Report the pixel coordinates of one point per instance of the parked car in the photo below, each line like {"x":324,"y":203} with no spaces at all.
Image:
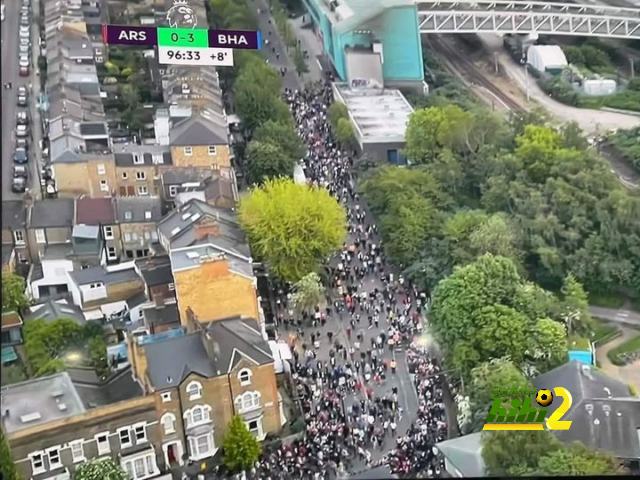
{"x":25,"y":41}
{"x":24,"y":71}
{"x":22,"y":118}
{"x":20,"y":156}
{"x":19,"y":185}
{"x":2,"y":10}
{"x":22,"y":143}
{"x":20,"y":171}
{"x":22,"y":130}
{"x":24,"y":50}
{"x":25,"y":31}
{"x":25,"y":9}
{"x":23,"y":97}
{"x":23,"y":61}
{"x":24,"y":20}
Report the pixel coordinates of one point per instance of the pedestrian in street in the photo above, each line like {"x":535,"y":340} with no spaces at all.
{"x":393,"y":366}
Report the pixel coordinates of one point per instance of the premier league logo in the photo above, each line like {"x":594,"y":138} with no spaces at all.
{"x":181,"y":15}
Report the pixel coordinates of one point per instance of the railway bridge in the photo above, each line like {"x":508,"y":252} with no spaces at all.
{"x":503,"y":16}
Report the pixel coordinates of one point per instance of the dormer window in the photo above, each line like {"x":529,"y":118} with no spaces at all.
{"x":127,"y":215}
{"x":138,"y":159}
{"x":244,"y":376}
{"x":194,"y":390}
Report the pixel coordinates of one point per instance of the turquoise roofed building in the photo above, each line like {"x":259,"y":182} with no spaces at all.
{"x":370,"y":42}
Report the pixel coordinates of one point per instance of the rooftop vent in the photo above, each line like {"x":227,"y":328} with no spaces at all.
{"x":175,"y":231}
{"x":186,"y":216}
{"x":195,"y":217}
{"x":31,"y":417}
{"x":57,"y":393}
{"x":62,"y":407}
{"x":193,"y":255}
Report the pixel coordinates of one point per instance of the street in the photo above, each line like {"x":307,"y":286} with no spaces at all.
{"x":10,"y":73}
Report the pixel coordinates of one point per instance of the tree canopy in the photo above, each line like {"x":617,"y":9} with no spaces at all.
{"x":8,"y":469}
{"x":283,"y":135}
{"x":13,"y":296}
{"x":308,"y":293}
{"x":241,"y":450}
{"x":105,"y":469}
{"x":293,"y":228}
{"x":266,"y":160}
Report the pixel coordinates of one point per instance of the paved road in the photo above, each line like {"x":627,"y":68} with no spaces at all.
{"x":10,"y":73}
{"x":617,"y":316}
{"x":629,"y":373}
{"x":591,"y":121}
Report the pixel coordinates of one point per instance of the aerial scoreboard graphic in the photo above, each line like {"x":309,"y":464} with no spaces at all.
{"x":185,"y":46}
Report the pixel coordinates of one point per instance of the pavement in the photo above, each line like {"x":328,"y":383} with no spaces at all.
{"x":629,"y":374}
{"x":592,"y":122}
{"x":626,"y":317}
{"x":10,"y":73}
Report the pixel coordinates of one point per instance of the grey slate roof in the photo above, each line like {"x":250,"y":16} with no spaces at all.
{"x":52,"y":213}
{"x":14,"y":214}
{"x":100,"y":274}
{"x":124,"y":154}
{"x":603,"y":413}
{"x":53,"y":309}
{"x":171,"y":361}
{"x":178,"y":176}
{"x":164,"y":315}
{"x":118,"y":388}
{"x":7,"y":252}
{"x":179,"y":227}
{"x":155,"y":270}
{"x":136,"y":300}
{"x":465,"y":454}
{"x":137,"y":208}
{"x":197,"y":130}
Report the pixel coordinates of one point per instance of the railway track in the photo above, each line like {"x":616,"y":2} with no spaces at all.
{"x":472,"y":74}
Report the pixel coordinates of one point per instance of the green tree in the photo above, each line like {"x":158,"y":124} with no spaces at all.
{"x":131,"y":96}
{"x":578,"y":460}
{"x":548,"y":346}
{"x":574,"y":55}
{"x":499,"y":372}
{"x":292,"y":227}
{"x":283,"y":135}
{"x":45,"y":341}
{"x":240,"y":447}
{"x":508,"y":454}
{"x":344,"y":132}
{"x":97,"y":348}
{"x":8,"y":469}
{"x":308,"y":293}
{"x":337,"y":110}
{"x":299,"y":61}
{"x":576,"y":306}
{"x":266,"y":160}
{"x":105,"y":469}
{"x":13,"y":293}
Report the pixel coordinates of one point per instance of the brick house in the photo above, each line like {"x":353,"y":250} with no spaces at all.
{"x":137,"y":217}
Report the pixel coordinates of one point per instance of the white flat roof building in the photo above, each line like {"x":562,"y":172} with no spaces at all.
{"x":379,"y":115}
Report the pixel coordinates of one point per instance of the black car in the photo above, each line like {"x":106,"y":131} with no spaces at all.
{"x":20,"y":156}
{"x":19,"y":185}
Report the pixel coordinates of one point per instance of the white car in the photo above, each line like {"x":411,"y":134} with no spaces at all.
{"x":25,"y":41}
{"x":24,"y":50}
{"x":2,"y":10}
{"x":24,"y":61}
{"x":22,"y":130}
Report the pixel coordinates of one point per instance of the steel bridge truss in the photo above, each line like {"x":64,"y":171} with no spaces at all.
{"x":450,"y":16}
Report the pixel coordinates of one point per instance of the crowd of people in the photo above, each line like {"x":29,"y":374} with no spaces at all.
{"x":353,"y":412}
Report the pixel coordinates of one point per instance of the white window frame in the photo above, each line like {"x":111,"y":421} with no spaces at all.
{"x":104,"y":186}
{"x":212,"y":150}
{"x":108,"y":232}
{"x":74,"y":455}
{"x":244,"y":377}
{"x":141,"y":175}
{"x":129,"y":439}
{"x":41,"y":238}
{"x":101,"y":169}
{"x":125,"y":175}
{"x":205,"y":417}
{"x":248,"y":401}
{"x":18,"y":237}
{"x":259,"y":431}
{"x":110,"y":255}
{"x":137,"y":428}
{"x":168,"y":421}
{"x":188,"y":151}
{"x":103,"y":450}
{"x":194,"y":450}
{"x":35,"y":470}
{"x":173,"y":190}
{"x":194,"y":390}
{"x":149,"y":462}
{"x":147,"y":215}
{"x":128,"y":215}
{"x":143,"y":190}
{"x":55,"y":450}
{"x":138,"y":159}
{"x":166,"y":397}
{"x":171,"y":286}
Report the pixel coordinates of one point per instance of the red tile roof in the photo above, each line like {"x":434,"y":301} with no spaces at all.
{"x":94,"y":211}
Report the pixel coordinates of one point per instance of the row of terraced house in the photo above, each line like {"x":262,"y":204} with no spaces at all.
{"x":143,"y":239}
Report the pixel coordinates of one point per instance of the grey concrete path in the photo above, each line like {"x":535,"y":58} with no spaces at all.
{"x":617,"y":316}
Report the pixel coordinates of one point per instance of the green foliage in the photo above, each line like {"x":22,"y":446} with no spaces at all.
{"x":240,"y":447}
{"x":337,"y":110}
{"x":308,"y":293}
{"x":299,"y":61}
{"x":97,"y":348}
{"x":579,"y":460}
{"x":8,"y":469}
{"x":627,"y":143}
{"x":292,"y":227}
{"x":344,"y":132}
{"x":283,"y":135}
{"x":266,"y":160}
{"x":501,"y":373}
{"x":232,"y":15}
{"x":127,"y":72}
{"x":508,"y":454}
{"x":112,"y":68}
{"x":576,"y":306}
{"x":105,"y":469}
{"x":10,"y":374}
{"x":13,"y":296}
{"x":616,"y":355}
